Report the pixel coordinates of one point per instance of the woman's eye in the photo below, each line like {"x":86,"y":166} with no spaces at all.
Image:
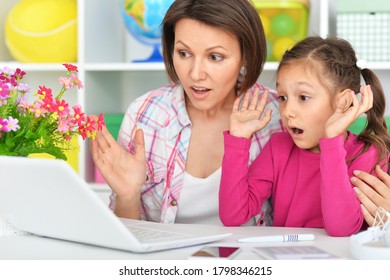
{"x":304,"y":97}
{"x":216,"y":57}
{"x":184,"y":54}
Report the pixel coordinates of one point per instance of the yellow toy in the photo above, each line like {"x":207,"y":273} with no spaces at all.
{"x":285,"y":23}
{"x":42,"y":31}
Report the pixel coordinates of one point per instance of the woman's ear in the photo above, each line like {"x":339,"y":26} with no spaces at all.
{"x":344,"y":100}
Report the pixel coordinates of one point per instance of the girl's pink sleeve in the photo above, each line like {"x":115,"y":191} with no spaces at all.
{"x":238,"y":200}
{"x":340,"y":207}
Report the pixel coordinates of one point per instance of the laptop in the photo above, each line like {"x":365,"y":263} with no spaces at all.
{"x":47,"y":197}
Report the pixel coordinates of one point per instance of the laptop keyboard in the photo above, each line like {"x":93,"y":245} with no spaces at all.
{"x":148,"y":235}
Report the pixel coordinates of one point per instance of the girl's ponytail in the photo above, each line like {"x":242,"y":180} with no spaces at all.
{"x":376,"y":130}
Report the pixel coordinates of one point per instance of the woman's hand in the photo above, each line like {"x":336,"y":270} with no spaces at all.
{"x":345,"y":114}
{"x":124,"y":172}
{"x":372,"y":192}
{"x":245,"y":119}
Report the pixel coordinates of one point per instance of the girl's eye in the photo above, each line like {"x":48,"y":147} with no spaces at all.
{"x":183,"y":54}
{"x":304,"y":97}
{"x":216,"y":57}
{"x":282,"y":98}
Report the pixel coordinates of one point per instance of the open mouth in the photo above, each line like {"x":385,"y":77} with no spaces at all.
{"x":200,"y":90}
{"x":296,"y":130}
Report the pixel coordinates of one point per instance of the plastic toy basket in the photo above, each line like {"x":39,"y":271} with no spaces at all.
{"x":366,"y":25}
{"x":285,"y":22}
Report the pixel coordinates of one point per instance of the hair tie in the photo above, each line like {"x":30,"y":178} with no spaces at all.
{"x":361,"y":64}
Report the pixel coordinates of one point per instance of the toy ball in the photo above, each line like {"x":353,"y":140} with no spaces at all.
{"x":42,"y":31}
{"x":283,"y":25}
{"x":280,"y":46}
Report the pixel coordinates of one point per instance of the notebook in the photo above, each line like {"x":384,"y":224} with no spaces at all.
{"x":47,"y":197}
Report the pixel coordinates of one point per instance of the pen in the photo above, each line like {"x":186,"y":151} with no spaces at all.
{"x":279,"y":238}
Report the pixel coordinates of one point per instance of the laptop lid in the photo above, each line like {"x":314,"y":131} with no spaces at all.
{"x":47,"y":197}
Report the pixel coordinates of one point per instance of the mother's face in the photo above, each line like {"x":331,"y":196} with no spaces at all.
{"x":207,"y":61}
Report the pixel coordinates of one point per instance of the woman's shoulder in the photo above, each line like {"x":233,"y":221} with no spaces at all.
{"x":262,"y":88}
{"x":163,"y":99}
{"x":273,"y":100}
{"x":157,"y":108}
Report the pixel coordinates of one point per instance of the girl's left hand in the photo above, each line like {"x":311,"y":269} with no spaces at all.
{"x":345,"y":114}
{"x":245,"y":119}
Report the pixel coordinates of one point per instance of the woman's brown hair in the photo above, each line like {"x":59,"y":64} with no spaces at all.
{"x":237,"y":17}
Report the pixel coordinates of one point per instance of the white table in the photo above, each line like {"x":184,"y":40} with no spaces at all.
{"x":28,"y":247}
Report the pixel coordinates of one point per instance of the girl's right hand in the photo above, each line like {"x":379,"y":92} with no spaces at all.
{"x":245,"y":119}
{"x":124,"y":172}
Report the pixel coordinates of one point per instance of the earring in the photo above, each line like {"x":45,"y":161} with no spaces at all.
{"x":243,"y":71}
{"x":242,"y":75}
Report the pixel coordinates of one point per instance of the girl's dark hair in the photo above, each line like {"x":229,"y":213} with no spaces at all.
{"x":334,"y":61}
{"x":237,"y":17}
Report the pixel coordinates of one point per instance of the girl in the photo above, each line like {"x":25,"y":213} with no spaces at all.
{"x":305,"y":170}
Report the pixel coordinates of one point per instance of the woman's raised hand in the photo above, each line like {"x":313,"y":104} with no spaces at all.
{"x":245,"y":118}
{"x":373,"y":192}
{"x":124,"y":172}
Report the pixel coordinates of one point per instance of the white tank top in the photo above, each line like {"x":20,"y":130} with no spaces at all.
{"x":198,"y":203}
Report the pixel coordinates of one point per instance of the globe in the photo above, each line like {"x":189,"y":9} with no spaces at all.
{"x":143,"y":19}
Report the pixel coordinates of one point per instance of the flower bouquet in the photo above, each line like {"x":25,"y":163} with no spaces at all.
{"x":45,"y":126}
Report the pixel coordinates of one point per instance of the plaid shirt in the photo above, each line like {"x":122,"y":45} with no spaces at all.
{"x":162,"y":115}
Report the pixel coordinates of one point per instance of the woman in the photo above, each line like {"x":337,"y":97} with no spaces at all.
{"x":167,"y":165}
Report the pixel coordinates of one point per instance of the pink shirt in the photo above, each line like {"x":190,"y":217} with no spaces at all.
{"x":307,"y":189}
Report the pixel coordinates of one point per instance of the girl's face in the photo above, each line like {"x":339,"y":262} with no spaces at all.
{"x":207,"y":61}
{"x":305,"y":105}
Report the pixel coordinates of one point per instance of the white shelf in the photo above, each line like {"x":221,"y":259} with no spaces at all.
{"x":124,"y":66}
{"x":33,"y":67}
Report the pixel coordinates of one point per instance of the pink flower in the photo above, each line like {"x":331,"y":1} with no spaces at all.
{"x":4,"y":91}
{"x":3,"y":125}
{"x":78,"y":116}
{"x":19,"y":74}
{"x":66,"y":82}
{"x":70,"y":67}
{"x":61,"y":107}
{"x":44,"y":91}
{"x":37,"y":109}
{"x":76,"y":81}
{"x":12,"y":124}
{"x":100,"y":122}
{"x":64,"y":126}
{"x":23,"y":88}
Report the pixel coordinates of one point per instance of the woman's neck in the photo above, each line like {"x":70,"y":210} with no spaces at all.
{"x":220,"y":110}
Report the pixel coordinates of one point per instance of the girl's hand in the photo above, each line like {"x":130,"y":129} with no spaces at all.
{"x":372,"y":192}
{"x":245,"y":119}
{"x":345,"y":114}
{"x":124,"y":172}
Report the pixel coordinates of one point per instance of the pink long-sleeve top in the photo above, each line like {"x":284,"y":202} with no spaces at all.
{"x":307,"y":189}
